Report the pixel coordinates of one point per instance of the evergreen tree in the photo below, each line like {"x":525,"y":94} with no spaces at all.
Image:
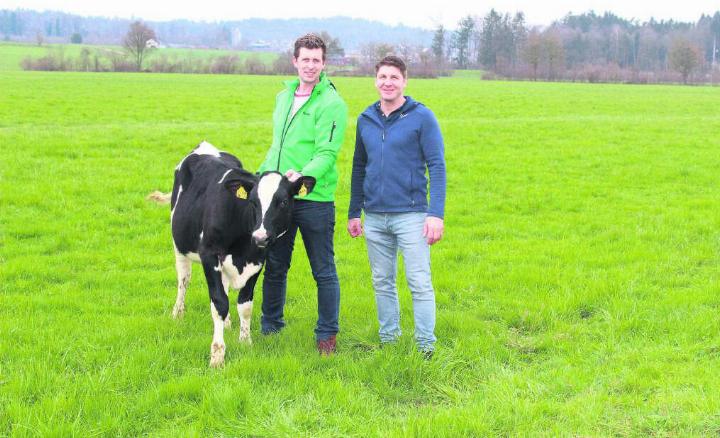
{"x":438,"y":44}
{"x":715,"y":29}
{"x":461,"y":41}
{"x":498,"y":38}
{"x":519,"y":35}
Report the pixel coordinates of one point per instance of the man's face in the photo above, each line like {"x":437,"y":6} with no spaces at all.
{"x":390,"y":83}
{"x":309,"y":64}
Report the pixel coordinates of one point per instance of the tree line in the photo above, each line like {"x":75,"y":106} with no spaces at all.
{"x":588,"y":47}
{"x":139,"y":53}
{"x":22,"y":25}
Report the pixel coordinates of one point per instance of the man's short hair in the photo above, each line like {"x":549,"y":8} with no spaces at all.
{"x":392,"y":61}
{"x":309,"y":41}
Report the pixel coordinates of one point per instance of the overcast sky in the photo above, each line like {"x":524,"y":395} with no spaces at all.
{"x":413,"y":13}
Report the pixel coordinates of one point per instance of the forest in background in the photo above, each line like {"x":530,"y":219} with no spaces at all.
{"x":586,"y":47}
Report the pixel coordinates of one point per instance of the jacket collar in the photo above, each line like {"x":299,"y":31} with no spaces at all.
{"x":323,"y":84}
{"x":373,"y":111}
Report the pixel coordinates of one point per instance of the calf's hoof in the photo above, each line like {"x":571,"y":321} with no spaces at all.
{"x":245,"y":337}
{"x":178,"y":311}
{"x":217,"y":355}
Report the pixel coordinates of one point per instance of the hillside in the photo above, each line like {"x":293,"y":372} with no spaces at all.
{"x":261,"y":34}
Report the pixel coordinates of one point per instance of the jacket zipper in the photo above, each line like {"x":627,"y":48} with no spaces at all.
{"x":382,"y":163}
{"x":282,"y":137}
{"x":287,"y":128}
{"x":332,"y":131}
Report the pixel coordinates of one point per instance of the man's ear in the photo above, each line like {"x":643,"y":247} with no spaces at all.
{"x":303,"y":186}
{"x":240,"y":186}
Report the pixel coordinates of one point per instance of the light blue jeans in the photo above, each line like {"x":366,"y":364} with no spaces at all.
{"x":385,"y":233}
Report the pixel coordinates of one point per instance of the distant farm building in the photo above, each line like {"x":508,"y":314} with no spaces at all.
{"x":260,"y":45}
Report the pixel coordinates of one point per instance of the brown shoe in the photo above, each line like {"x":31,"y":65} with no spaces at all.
{"x":326,"y":347}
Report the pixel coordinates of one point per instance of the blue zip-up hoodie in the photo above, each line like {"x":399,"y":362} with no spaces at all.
{"x":391,"y":155}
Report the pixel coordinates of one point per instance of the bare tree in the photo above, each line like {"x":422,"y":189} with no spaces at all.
{"x":227,"y":65}
{"x":83,"y":62}
{"x":373,"y":52}
{"x":684,"y":57}
{"x":554,"y":54}
{"x":138,"y":42}
{"x":333,"y":48}
{"x":532,"y":51}
{"x":283,"y":64}
{"x":254,"y":65}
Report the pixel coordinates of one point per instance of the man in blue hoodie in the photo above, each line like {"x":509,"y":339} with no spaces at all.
{"x":397,"y":139}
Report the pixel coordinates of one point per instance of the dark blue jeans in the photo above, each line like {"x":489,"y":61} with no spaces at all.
{"x":316,"y":221}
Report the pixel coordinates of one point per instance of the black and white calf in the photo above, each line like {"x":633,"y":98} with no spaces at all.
{"x":225,"y":218}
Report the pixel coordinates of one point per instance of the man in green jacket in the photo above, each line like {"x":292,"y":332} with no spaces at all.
{"x":308,"y":129}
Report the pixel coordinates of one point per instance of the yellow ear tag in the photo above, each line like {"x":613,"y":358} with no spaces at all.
{"x":241,"y":193}
{"x":303,"y":191}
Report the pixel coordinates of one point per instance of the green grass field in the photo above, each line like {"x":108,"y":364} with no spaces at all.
{"x":577,"y":285}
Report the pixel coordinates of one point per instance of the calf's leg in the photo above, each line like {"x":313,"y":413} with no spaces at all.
{"x":183,"y":266}
{"x":226,"y":288}
{"x":245,"y":306}
{"x":218,"y":309}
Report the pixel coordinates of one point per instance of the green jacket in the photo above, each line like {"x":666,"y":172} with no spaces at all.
{"x":309,"y":142}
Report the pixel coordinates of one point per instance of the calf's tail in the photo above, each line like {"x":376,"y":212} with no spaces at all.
{"x":159,"y":197}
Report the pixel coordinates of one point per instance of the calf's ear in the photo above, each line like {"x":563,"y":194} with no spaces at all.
{"x":303,"y":186}
{"x":240,"y":187}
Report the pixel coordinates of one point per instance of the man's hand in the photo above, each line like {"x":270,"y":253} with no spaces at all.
{"x":355,"y":227}
{"x":433,"y":229}
{"x":292,"y":175}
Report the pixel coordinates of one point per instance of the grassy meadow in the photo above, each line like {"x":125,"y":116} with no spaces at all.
{"x":577,"y":284}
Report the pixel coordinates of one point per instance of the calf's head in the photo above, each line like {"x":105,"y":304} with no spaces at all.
{"x":241,"y":184}
{"x":274,"y":197}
